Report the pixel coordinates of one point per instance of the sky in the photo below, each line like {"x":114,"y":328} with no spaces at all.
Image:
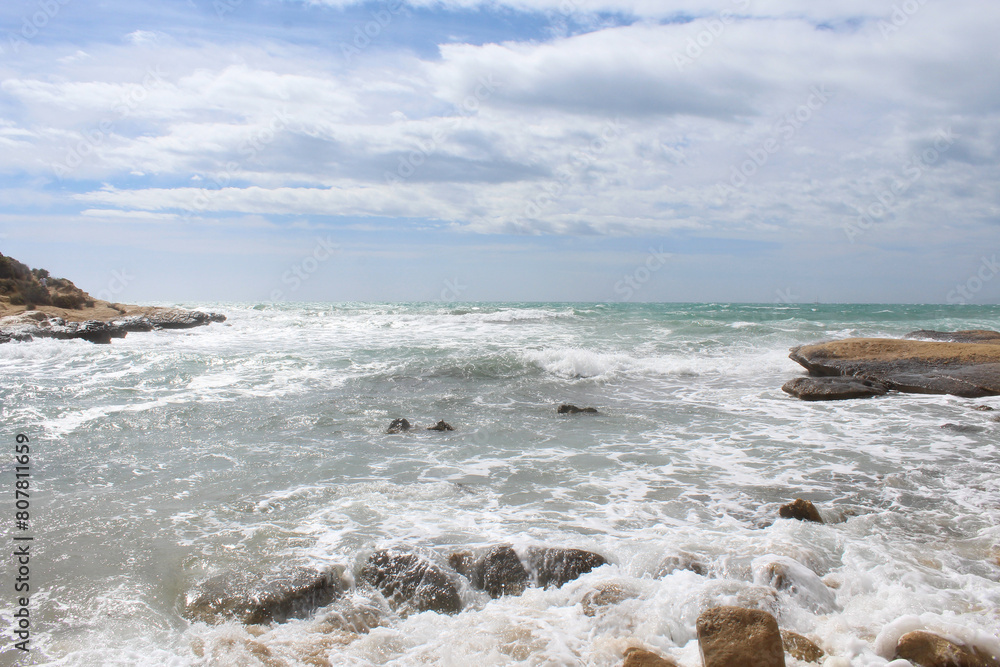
{"x":504,"y":150}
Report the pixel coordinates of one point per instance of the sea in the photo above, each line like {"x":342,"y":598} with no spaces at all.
{"x":168,"y":457}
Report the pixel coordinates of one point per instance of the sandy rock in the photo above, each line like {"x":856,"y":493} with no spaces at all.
{"x":605,"y":595}
{"x":929,"y":650}
{"x":800,"y":509}
{"x":412,"y":583}
{"x":801,"y":648}
{"x":637,"y":657}
{"x":970,"y":336}
{"x":832,"y":388}
{"x":255,"y":598}
{"x":737,"y":637}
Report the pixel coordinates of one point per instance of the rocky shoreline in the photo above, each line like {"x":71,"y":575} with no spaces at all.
{"x":960,"y":363}
{"x":29,"y":325}
{"x":398,"y":582}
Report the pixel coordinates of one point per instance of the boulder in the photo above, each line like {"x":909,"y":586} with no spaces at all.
{"x":441,"y":426}
{"x":398,"y":426}
{"x":252,"y":598}
{"x":969,"y":369}
{"x":800,"y":648}
{"x":637,"y":657}
{"x":928,"y":650}
{"x":832,"y":388}
{"x":800,"y":509}
{"x":499,"y":572}
{"x":566,"y":409}
{"x":737,"y":637}
{"x":412,"y":583}
{"x":551,"y":566}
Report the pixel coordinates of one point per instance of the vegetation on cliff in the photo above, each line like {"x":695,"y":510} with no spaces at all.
{"x":24,"y":286}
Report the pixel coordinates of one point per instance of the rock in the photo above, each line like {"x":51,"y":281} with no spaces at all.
{"x":681,"y":561}
{"x":928,"y":650}
{"x":800,"y":509}
{"x":398,"y":426}
{"x":637,"y":657}
{"x":410,"y":582}
{"x":27,"y":326}
{"x":800,"y":648}
{"x":916,"y":366}
{"x":605,"y":595}
{"x":962,"y":428}
{"x":832,"y":388}
{"x":499,"y":572}
{"x":737,"y":637}
{"x":973,"y":336}
{"x":785,"y":574}
{"x":441,"y":426}
{"x":255,"y":598}
{"x":549,"y":566}
{"x":983,"y":408}
{"x":566,"y":409}
{"x":175,"y":318}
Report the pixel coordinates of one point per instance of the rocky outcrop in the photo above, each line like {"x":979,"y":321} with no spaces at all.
{"x":36,"y":324}
{"x":566,"y":409}
{"x":801,"y":648}
{"x":441,"y":426}
{"x":800,"y":509}
{"x":399,"y":425}
{"x":832,"y":388}
{"x":928,"y":650}
{"x":412,"y":583}
{"x":969,"y":369}
{"x":738,"y":637}
{"x":970,"y":336}
{"x":252,"y":598}
{"x":637,"y":657}
{"x":499,"y":571}
{"x":554,"y":567}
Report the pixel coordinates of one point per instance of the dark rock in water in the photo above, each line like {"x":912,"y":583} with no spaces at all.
{"x":399,"y":426}
{"x":832,"y":388}
{"x":410,"y":582}
{"x":794,"y":578}
{"x":738,"y":637}
{"x":566,"y":409}
{"x":916,"y":366}
{"x":255,"y":598}
{"x":801,"y":648}
{"x":183,"y":319}
{"x":973,"y":336}
{"x":983,"y":408}
{"x":441,"y":426}
{"x":962,"y":428}
{"x":550,"y":566}
{"x":638,"y":657}
{"x":30,"y":325}
{"x":605,"y":595}
{"x":499,"y":572}
{"x":928,"y":650}
{"x":803,"y":510}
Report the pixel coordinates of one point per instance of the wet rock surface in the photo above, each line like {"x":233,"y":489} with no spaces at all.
{"x":554,"y":567}
{"x":738,"y":637}
{"x":832,"y":388}
{"x":567,"y":409}
{"x":33,"y":324}
{"x":929,"y":650}
{"x":411,"y":582}
{"x":637,"y":657}
{"x":800,"y":509}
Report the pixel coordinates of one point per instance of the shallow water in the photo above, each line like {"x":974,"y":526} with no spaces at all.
{"x":167,"y":457}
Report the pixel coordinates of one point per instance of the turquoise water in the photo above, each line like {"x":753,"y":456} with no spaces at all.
{"x":167,"y":457}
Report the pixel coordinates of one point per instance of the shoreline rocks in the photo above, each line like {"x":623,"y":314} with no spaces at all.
{"x":738,"y":637}
{"x":962,"y":363}
{"x":833,"y":388}
{"x":30,"y":325}
{"x":412,"y":583}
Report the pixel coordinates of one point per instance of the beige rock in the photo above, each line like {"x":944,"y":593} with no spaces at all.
{"x":637,"y":657}
{"x":929,"y":650}
{"x":801,"y":648}
{"x":605,"y":595}
{"x":800,"y":509}
{"x":738,"y":637}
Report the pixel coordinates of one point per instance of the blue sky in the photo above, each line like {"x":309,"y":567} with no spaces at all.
{"x":453,"y":150}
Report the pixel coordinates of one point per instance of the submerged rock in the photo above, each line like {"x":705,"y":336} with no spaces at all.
{"x":681,"y":561}
{"x":638,"y":657}
{"x":441,"y":426}
{"x":553,"y":566}
{"x":801,"y":648}
{"x":398,"y":426}
{"x":800,"y":509}
{"x":252,"y":598}
{"x":411,"y":582}
{"x":791,"y":576}
{"x":928,"y":650}
{"x":499,"y":572}
{"x":567,"y":409}
{"x":605,"y":595}
{"x":738,"y":637}
{"x":983,"y":408}
{"x":969,"y":369}
{"x":962,"y":428}
{"x":832,"y":388}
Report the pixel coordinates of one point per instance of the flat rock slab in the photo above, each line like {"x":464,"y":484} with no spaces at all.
{"x":973,"y":336}
{"x":252,"y":598}
{"x":914,"y":366}
{"x":738,"y":637}
{"x":833,"y":388}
